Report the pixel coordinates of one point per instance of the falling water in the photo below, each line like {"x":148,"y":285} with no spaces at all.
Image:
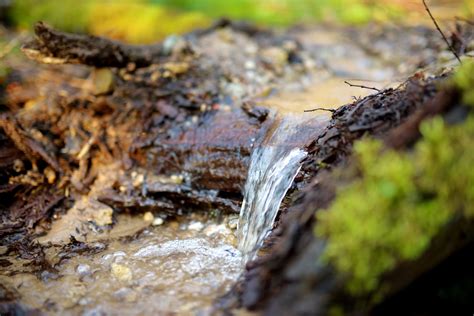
{"x":273,"y":167}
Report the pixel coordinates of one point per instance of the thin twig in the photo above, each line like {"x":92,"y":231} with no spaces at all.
{"x":441,"y":32}
{"x":361,"y":86}
{"x":320,"y":109}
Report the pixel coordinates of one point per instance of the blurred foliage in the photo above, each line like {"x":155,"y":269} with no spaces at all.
{"x":150,"y":20}
{"x":140,"y":22}
{"x":146,"y":21}
{"x":464,"y":80}
{"x":284,"y":12}
{"x":402,"y":199}
{"x":69,"y":15}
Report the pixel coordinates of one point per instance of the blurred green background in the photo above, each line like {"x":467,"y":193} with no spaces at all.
{"x":144,"y":21}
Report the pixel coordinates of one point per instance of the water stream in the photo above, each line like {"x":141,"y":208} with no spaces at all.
{"x":273,"y":167}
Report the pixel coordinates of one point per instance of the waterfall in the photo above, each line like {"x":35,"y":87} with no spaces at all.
{"x":273,"y":167}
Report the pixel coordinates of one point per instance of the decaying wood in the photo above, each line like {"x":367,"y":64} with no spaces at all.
{"x":55,"y":47}
{"x":408,"y":133}
{"x":32,"y":149}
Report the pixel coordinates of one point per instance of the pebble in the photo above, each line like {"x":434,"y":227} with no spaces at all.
{"x":158,"y":221}
{"x":196,"y":226}
{"x":138,"y":180}
{"x":148,"y":217}
{"x":121,"y":272}
{"x":83,"y":270}
{"x":233,"y":222}
{"x":170,"y":43}
{"x":215,"y":229}
{"x":250,"y":65}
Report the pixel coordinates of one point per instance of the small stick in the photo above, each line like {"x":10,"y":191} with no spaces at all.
{"x":320,"y":109}
{"x":441,"y":32}
{"x":361,"y":86}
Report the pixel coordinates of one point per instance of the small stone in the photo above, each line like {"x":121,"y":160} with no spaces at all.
{"x":276,"y":56}
{"x":103,"y":215}
{"x":102,"y":80}
{"x":214,"y":229}
{"x":50,"y":175}
{"x":83,"y":270}
{"x":176,"y":68}
{"x":233,"y":222}
{"x":176,"y":179}
{"x":18,"y":165}
{"x":196,"y":226}
{"x":121,"y":272}
{"x":250,"y":65}
{"x":158,"y":221}
{"x":148,"y":217}
{"x":84,"y":301}
{"x":170,"y":43}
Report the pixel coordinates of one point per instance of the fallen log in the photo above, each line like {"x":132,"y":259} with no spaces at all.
{"x":55,"y":47}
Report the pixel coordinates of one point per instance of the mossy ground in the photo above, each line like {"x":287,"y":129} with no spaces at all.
{"x":401,"y":200}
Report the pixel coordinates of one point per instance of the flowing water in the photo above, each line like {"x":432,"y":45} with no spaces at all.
{"x":273,"y":167}
{"x":179,"y":267}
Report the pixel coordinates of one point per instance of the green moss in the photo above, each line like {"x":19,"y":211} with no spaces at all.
{"x":68,"y":15}
{"x":400,"y":202}
{"x":284,"y":12}
{"x":158,"y":18}
{"x":464,"y":80}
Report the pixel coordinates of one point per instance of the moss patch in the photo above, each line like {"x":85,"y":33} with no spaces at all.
{"x":401,"y":200}
{"x":464,"y":80}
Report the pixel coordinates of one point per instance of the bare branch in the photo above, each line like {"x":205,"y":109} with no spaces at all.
{"x":441,"y":32}
{"x":320,"y":109}
{"x":361,"y":86}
